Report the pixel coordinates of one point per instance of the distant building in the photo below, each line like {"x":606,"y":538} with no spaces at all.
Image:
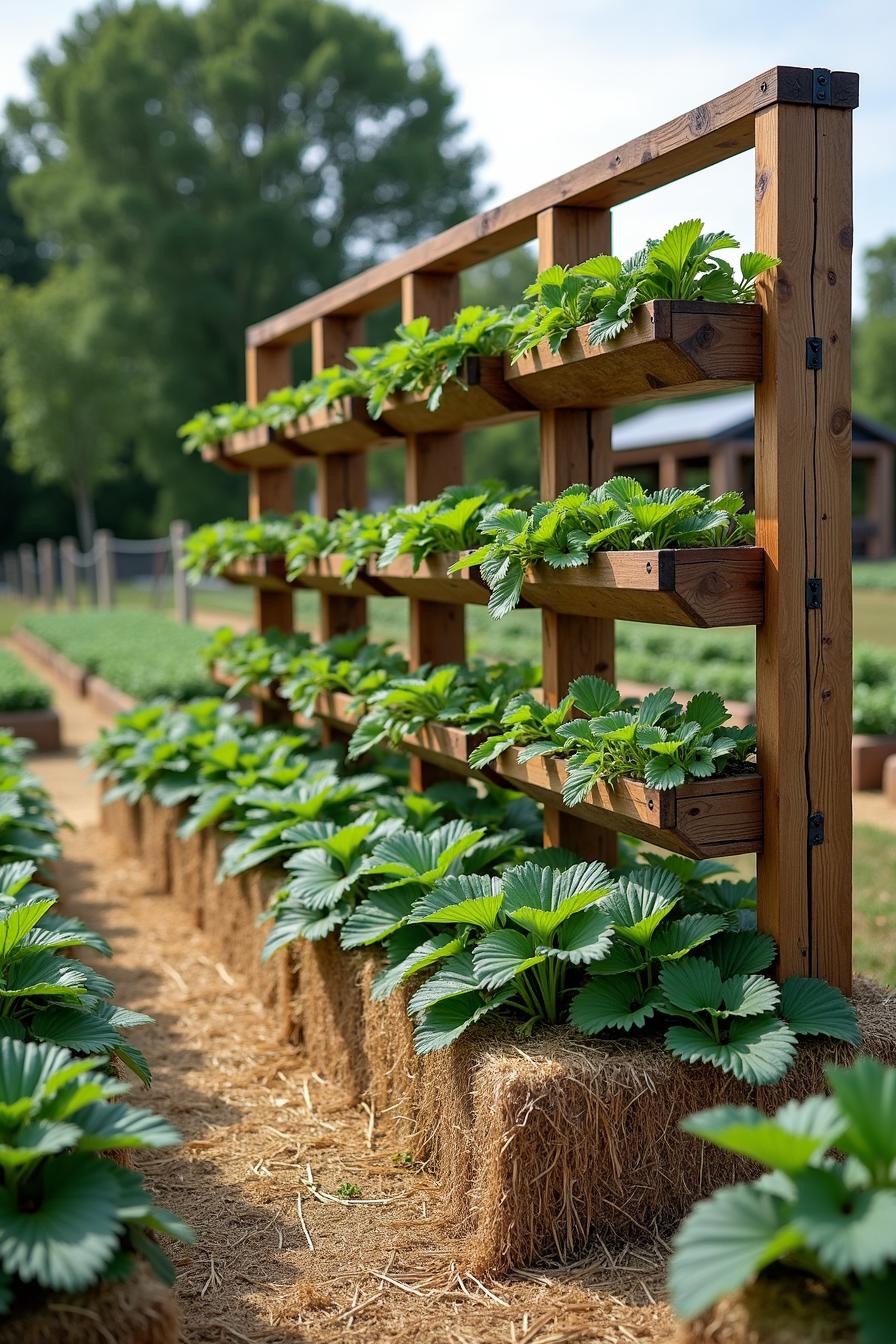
{"x":687,"y":443}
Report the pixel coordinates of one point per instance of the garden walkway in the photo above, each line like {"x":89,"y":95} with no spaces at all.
{"x":273,"y":1263}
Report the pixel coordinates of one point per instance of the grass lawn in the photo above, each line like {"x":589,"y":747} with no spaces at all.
{"x":874,"y":897}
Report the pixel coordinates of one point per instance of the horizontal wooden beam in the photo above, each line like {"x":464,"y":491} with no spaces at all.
{"x":708,"y":134}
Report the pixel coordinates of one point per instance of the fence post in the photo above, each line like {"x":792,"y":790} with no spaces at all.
{"x":28,"y":571}
{"x":183,"y":594}
{"x":69,"y":572}
{"x":105,"y":568}
{"x":11,"y":572}
{"x":46,"y":571}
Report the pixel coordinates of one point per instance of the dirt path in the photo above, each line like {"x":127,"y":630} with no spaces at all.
{"x":274,"y":1264}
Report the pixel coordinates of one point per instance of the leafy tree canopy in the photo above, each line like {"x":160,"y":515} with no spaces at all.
{"x":217,"y":166}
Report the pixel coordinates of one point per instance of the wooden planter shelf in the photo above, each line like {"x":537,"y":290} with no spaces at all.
{"x":265,"y":572}
{"x":672,"y":349}
{"x":482,"y":396}
{"x":715,"y":586}
{"x":324,"y":575}
{"x":258,"y":449}
{"x":342,"y":427}
{"x":700,"y":819}
{"x":431,"y":582}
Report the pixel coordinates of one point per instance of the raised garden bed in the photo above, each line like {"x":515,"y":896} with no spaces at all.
{"x":430,"y":581}
{"x":485,"y":1113}
{"x":672,"y":349}
{"x":68,"y":672}
{"x":701,"y":819}
{"x":108,"y":699}
{"x":256,"y":449}
{"x":869,"y":753}
{"x":324,"y":574}
{"x":40,"y":725}
{"x":342,"y":427}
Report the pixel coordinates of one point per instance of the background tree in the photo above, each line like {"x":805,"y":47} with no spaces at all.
{"x":214,"y":167}
{"x":66,"y":386}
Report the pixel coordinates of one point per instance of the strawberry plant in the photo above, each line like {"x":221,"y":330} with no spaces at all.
{"x":70,"y":1218}
{"x":606,"y":291}
{"x":656,"y":741}
{"x":826,"y":1211}
{"x":619,"y":515}
{"x":470,"y":697}
{"x":212,"y":548}
{"x":450,"y":522}
{"x":348,"y":664}
{"x":45,"y":992}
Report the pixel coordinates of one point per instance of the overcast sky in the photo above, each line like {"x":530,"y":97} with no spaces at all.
{"x":545,"y":87}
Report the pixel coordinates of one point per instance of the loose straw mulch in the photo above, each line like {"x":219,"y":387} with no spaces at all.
{"x":281,"y":1255}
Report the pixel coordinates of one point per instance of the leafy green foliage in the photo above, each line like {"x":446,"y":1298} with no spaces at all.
{"x":212,"y":548}
{"x":656,"y":741}
{"x":603,"y":291}
{"x":46,"y":994}
{"x":70,"y":1217}
{"x":619,"y":515}
{"x":606,"y":291}
{"x":471,"y":697}
{"x":142,"y":653}
{"x":20,"y":689}
{"x":828,"y":1210}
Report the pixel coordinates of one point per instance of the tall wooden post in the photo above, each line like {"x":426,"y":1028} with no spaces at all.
{"x":575,"y":448}
{"x":341,"y":477}
{"x":437,"y":632}
{"x":183,"y":593}
{"x":68,"y":571}
{"x":46,"y":571}
{"x":803,"y":507}
{"x":105,"y":567}
{"x":270,"y":490}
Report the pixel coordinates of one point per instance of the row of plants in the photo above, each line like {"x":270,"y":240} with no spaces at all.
{"x":20,"y":689}
{"x":455,"y":883}
{"x":600,"y":734}
{"x":603,"y":292}
{"x":71,"y":1217}
{"x":140,"y":652}
{"x":564,"y":533}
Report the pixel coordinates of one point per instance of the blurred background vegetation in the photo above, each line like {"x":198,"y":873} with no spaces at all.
{"x":175,"y":176}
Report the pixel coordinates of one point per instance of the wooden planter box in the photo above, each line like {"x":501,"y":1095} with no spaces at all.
{"x":342,"y":427}
{"x":41,"y":726}
{"x":701,"y":819}
{"x":267,"y":572}
{"x":431,"y":582}
{"x":869,"y":753}
{"x":672,"y":348}
{"x":253,"y":449}
{"x":713,"y":587}
{"x":482,"y":396}
{"x":325,"y":576}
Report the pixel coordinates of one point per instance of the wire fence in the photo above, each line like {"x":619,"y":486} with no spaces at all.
{"x":52,"y":573}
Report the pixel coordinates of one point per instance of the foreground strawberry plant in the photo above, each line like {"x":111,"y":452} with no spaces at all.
{"x":827,"y":1210}
{"x":70,"y":1218}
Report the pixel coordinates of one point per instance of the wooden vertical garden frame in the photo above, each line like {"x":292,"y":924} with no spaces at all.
{"x":795,"y":586}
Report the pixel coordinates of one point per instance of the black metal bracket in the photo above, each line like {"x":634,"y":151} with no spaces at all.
{"x":816,"y":828}
{"x":814,"y":352}
{"x":813,"y":594}
{"x":821,"y":87}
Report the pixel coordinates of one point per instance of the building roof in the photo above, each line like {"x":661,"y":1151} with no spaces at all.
{"x":723,"y":416}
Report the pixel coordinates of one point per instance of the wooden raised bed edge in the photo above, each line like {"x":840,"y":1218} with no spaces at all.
{"x":69,"y":672}
{"x":869,"y":753}
{"x":671,"y":349}
{"x":40,"y":726}
{"x":480,"y":397}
